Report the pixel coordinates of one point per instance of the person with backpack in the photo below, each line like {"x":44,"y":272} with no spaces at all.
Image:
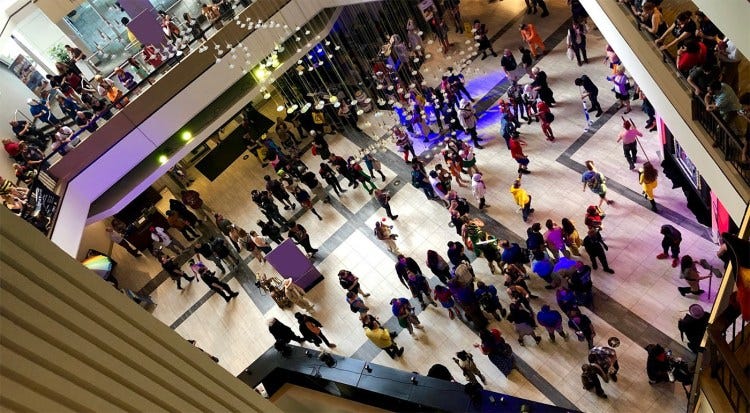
{"x":310,"y":329}
{"x":419,"y":288}
{"x":582,"y":325}
{"x":465,"y":362}
{"x":693,"y":326}
{"x":404,"y":312}
{"x":590,"y":374}
{"x":596,"y":183}
{"x":524,"y":323}
{"x":581,"y":285}
{"x":489,"y":301}
{"x":350,"y":283}
{"x":276,"y":189}
{"x":356,"y":304}
{"x":499,"y":352}
{"x":594,"y":245}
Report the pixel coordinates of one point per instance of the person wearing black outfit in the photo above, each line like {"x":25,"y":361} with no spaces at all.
{"x":184,"y":212}
{"x":308,"y":178}
{"x":456,"y":253}
{"x":694,"y":325}
{"x":456,"y":81}
{"x":329,"y":176}
{"x":282,"y":334}
{"x":581,"y":324}
{"x":309,"y":327}
{"x":320,"y":144}
{"x":277,"y":190}
{"x":173,"y":269}
{"x":384,"y":198}
{"x":215,"y":284}
{"x":270,"y":209}
{"x":222,"y":251}
{"x":343,"y":168}
{"x":531,"y":6}
{"x":270,"y":230}
{"x":595,"y":247}
{"x":402,"y":265}
{"x":204,"y":250}
{"x":590,"y":91}
{"x":299,"y":234}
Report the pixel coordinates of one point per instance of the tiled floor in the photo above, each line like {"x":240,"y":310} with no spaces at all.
{"x":642,"y":292}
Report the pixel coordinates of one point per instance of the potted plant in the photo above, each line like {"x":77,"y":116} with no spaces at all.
{"x":59,"y":54}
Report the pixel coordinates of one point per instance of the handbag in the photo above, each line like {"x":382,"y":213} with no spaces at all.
{"x":571,"y":54}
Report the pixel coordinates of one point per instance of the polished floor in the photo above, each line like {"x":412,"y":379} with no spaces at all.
{"x":639,"y":303}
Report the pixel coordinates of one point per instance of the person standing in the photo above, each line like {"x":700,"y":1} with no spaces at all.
{"x":596,"y":182}
{"x":119,"y":238}
{"x":162,"y":239}
{"x":310,"y":330}
{"x":693,"y":326}
{"x":570,"y":234}
{"x":330,"y":177}
{"x":299,"y":234}
{"x":270,"y":230}
{"x":212,"y":281}
{"x":373,"y":165}
{"x":545,"y":117}
{"x":577,"y":40}
{"x":522,"y":198}
{"x":438,"y":266}
{"x":530,"y":36}
{"x":356,"y":304}
{"x":523,"y":321}
{"x":276,"y":189}
{"x":404,"y":143}
{"x":173,"y":269}
{"x":420,"y":181}
{"x":403,"y":266}
{"x":465,"y":362}
{"x":176,"y":221}
{"x":479,"y":189}
{"x":509,"y":65}
{"x":499,"y":352}
{"x":606,"y":358}
{"x":590,"y":374}
{"x":467,"y":116}
{"x":516,"y":152}
{"x":581,"y":324}
{"x":629,"y":137}
{"x":595,"y":247}
{"x":590,"y":91}
{"x":303,"y":197}
{"x":487,"y":298}
{"x":551,"y":320}
{"x":445,"y":297}
{"x":419,"y":288}
{"x":621,"y":87}
{"x":384,"y":197}
{"x":480,"y":35}
{"x":402,"y":309}
{"x":671,"y":241}
{"x":222,"y":251}
{"x":689,"y":273}
{"x":248,"y":241}
{"x":204,"y":250}
{"x":381,"y":337}
{"x":350,"y":283}
{"x":296,"y":294}
{"x":647,"y":177}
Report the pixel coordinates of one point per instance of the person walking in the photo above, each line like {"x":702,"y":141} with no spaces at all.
{"x":530,"y":36}
{"x":173,"y":269}
{"x":299,"y":234}
{"x":523,"y":322}
{"x":522,"y":198}
{"x":489,"y":301}
{"x":381,"y":337}
{"x":403,"y":266}
{"x":270,"y":230}
{"x":163,"y":240}
{"x":648,"y":178}
{"x":581,"y":324}
{"x":551,"y":320}
{"x":621,"y":87}
{"x":480,"y":35}
{"x":119,"y":238}
{"x":212,"y":281}
{"x":275,"y":188}
{"x":596,"y":182}
{"x":404,"y":143}
{"x":577,"y":40}
{"x":384,"y":197}
{"x":553,"y":238}
{"x":402,"y":309}
{"x":671,"y":241}
{"x":204,"y":250}
{"x":383,"y":233}
{"x":509,"y":64}
{"x":356,"y":304}
{"x":296,"y":294}
{"x":693,"y":326}
{"x":419,"y":288}
{"x":516,"y":145}
{"x":606,"y":358}
{"x":467,"y":116}
{"x":590,"y":91}
{"x":222,"y":251}
{"x":571,"y":236}
{"x":465,"y":362}
{"x":281,"y":333}
{"x":350,"y":283}
{"x":689,"y":273}
{"x":438,"y":266}
{"x":310,"y":329}
{"x":420,"y":181}
{"x":499,"y":352}
{"x":355,"y":170}
{"x":590,"y":374}
{"x":594,"y":245}
{"x":445,"y":297}
{"x":304,"y":199}
{"x":248,"y":241}
{"x":479,"y":189}
{"x":629,"y":137}
{"x":545,"y":117}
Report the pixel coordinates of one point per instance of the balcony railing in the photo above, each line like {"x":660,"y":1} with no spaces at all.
{"x":728,"y":141}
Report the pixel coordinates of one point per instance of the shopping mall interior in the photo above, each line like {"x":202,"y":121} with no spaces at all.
{"x":185,"y":179}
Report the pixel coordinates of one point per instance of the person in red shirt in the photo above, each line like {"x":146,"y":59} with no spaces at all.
{"x":14,"y":151}
{"x":516,"y":151}
{"x":692,"y":53}
{"x":545,"y":117}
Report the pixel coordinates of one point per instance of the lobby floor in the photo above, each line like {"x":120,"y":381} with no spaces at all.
{"x":639,"y":304}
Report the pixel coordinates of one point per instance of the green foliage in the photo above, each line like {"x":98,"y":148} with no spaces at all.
{"x":59,"y":54}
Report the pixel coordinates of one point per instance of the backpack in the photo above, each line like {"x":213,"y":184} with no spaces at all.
{"x":486,"y":301}
{"x":416,"y":179}
{"x":345,"y":283}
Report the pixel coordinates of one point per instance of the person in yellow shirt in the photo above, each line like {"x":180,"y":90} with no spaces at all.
{"x":647,"y":177}
{"x":522,"y":198}
{"x":381,"y":337}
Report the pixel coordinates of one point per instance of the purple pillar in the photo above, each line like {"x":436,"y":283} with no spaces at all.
{"x":145,"y":23}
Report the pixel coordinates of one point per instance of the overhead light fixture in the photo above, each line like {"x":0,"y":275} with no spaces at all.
{"x":186,"y":136}
{"x":163,"y":159}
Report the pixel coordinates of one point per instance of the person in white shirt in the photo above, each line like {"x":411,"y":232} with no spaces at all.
{"x":118,"y":238}
{"x":63,"y":142}
{"x":162,"y":239}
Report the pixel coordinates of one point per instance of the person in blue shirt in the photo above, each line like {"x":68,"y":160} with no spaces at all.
{"x":512,"y":253}
{"x":543,"y":267}
{"x":551,"y":320}
{"x":39,"y":109}
{"x":68,"y":106}
{"x":402,"y":309}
